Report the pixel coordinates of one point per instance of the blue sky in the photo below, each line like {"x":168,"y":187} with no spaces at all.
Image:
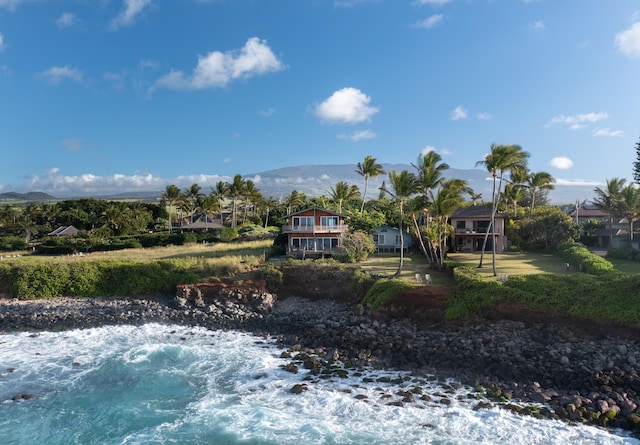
{"x":100,"y":96}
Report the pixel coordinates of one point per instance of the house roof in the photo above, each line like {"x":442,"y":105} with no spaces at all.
{"x":475,"y":212}
{"x":314,"y":208}
{"x":589,"y":211}
{"x":64,"y":230}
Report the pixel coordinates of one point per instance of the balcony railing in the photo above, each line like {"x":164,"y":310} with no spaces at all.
{"x":478,"y":231}
{"x":343,"y":228}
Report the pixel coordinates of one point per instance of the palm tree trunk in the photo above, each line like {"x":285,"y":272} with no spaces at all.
{"x":419,"y":235}
{"x":397,"y":274}
{"x":366,"y":185}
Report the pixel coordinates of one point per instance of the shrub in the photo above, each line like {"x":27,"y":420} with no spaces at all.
{"x":577,"y":254}
{"x":384,"y":290}
{"x":272,"y":275}
{"x":9,"y":243}
{"x":229,"y":234}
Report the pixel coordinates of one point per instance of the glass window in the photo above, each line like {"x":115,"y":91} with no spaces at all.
{"x":331,"y":221}
{"x":302,"y":222}
{"x":461,"y":224}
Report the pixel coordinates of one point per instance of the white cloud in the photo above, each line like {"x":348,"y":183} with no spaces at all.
{"x":607,"y":132}
{"x":268,"y":112}
{"x":56,"y":74}
{"x":11,"y":4}
{"x":576,"y":182}
{"x":346,"y":106}
{"x":459,"y":113}
{"x":432,"y":2}
{"x":538,"y":26}
{"x":561,"y":163}
{"x":628,"y":41}
{"x":577,"y":120}
{"x":90,"y":184}
{"x":2,"y":44}
{"x":430,"y":22}
{"x":66,"y":20}
{"x":484,"y":116}
{"x":358,"y":135}
{"x":72,"y":144}
{"x":131,"y":9}
{"x":4,"y":69}
{"x":217,"y":69}
{"x":429,"y":148}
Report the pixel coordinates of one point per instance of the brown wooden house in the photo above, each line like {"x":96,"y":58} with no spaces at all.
{"x":314,"y":233}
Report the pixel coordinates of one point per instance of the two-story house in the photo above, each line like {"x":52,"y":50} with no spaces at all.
{"x":471,"y":225}
{"x":314,"y":233}
{"x":387,"y":239}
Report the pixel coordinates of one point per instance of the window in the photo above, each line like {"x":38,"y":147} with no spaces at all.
{"x":481,"y":226}
{"x":302,"y":222}
{"x":378,"y":239}
{"x":461,"y":225}
{"x":331,"y":221}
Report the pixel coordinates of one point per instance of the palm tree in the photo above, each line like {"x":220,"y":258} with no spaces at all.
{"x":500,"y":159}
{"x":447,"y":199}
{"x":475,"y":197}
{"x":170,"y":197}
{"x":193,"y":195}
{"x":369,"y":168}
{"x":404,"y":184}
{"x":513,"y":194}
{"x":294,"y":201}
{"x":536,"y":182}
{"x":630,"y":206}
{"x":608,"y":200}
{"x":236,"y":189}
{"x":343,"y":192}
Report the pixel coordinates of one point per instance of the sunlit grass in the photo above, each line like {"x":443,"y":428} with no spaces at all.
{"x":515,"y":263}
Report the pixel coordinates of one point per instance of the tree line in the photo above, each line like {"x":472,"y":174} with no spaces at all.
{"x":419,"y":202}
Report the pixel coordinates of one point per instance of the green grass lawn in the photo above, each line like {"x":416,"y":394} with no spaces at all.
{"x":387,"y":265}
{"x":515,"y":263}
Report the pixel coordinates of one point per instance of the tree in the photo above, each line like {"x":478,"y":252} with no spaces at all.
{"x":359,"y":245}
{"x":235,"y":190}
{"x":608,"y":200}
{"x":343,"y":192}
{"x":537,"y":182}
{"x":546,"y":227}
{"x":193,"y":195}
{"x":636,"y":165}
{"x":170,"y":197}
{"x":404,"y":184}
{"x":513,"y":194}
{"x":500,"y":159}
{"x":630,"y":206}
{"x":446,"y":200}
{"x":369,"y":168}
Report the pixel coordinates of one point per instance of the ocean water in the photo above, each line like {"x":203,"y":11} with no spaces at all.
{"x":158,"y":384}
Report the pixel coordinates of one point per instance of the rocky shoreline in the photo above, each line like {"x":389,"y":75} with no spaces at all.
{"x":581,"y":378}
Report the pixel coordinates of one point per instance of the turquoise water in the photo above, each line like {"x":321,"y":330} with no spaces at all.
{"x":159,"y":384}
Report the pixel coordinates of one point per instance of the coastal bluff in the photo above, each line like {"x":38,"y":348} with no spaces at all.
{"x":582,"y":376}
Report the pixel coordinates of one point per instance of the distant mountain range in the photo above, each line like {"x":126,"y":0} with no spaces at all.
{"x":317,"y":180}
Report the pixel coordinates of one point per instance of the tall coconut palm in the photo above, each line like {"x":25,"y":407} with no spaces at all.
{"x":608,"y":200}
{"x":403,"y":184}
{"x":630,"y":205}
{"x":447,"y":199}
{"x":294,"y":201}
{"x":537,"y":182}
{"x":369,"y":168}
{"x":235,"y":191}
{"x":193,"y":195}
{"x":513,"y":194}
{"x":170,"y":197}
{"x":343,"y":192}
{"x":500,"y":159}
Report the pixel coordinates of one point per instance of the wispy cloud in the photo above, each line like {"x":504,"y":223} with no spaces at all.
{"x":130,"y":11}
{"x":608,"y":132}
{"x":537,"y":26}
{"x":561,"y":163}
{"x":346,"y":106}
{"x":66,"y":20}
{"x":484,"y":116}
{"x":628,"y":41}
{"x":217,"y":69}
{"x":432,"y":2}
{"x":267,"y":112}
{"x":358,"y":135}
{"x":576,"y":182}
{"x":90,"y":184}
{"x":577,"y":121}
{"x":2,"y":44}
{"x":459,"y":113}
{"x":431,"y":148}
{"x":12,"y":4}
{"x":72,"y":144}
{"x":429,"y":22}
{"x":56,"y":74}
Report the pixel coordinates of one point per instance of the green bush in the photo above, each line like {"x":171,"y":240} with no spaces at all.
{"x":229,"y":234}
{"x":591,"y":263}
{"x":272,"y":275}
{"x":385,"y":290}
{"x":9,"y":243}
